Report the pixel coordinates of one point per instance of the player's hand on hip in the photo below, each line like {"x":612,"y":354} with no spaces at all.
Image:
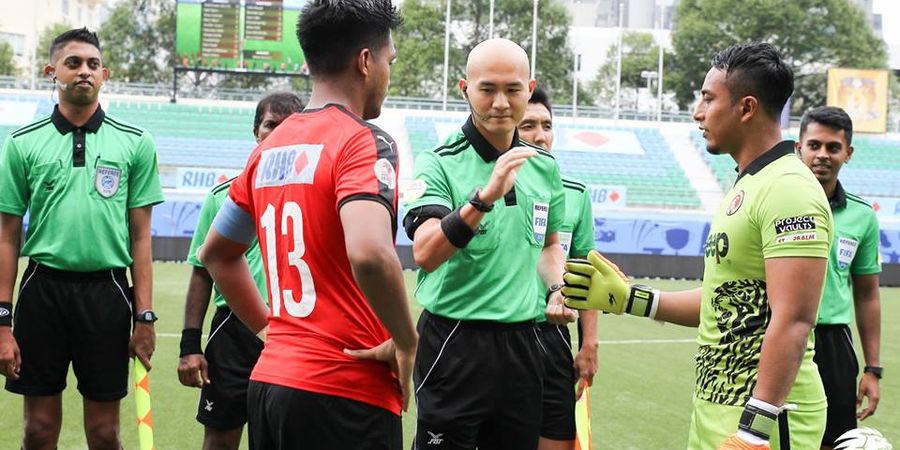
{"x":10,"y":358}
{"x":400,"y":362}
{"x":595,"y":283}
{"x":504,"y":175}
{"x":869,"y":389}
{"x":143,"y":343}
{"x":557,"y":313}
{"x":736,"y":443}
{"x":193,"y":370}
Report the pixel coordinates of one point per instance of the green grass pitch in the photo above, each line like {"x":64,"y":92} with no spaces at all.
{"x":641,"y":398}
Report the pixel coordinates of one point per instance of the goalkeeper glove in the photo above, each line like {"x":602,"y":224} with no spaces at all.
{"x":736,"y":443}
{"x":755,"y":426}
{"x":597,"y":283}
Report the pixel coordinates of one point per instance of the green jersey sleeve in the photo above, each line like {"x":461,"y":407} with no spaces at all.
{"x":794,"y":219}
{"x":207,"y":214}
{"x":867,"y":260}
{"x":13,"y":180}
{"x":583,"y":232}
{"x":143,"y":186}
{"x":430,"y":185}
{"x":557,"y":215}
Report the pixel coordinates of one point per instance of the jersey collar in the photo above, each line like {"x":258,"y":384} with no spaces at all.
{"x":64,"y":126}
{"x":839,"y":199}
{"x":485,"y":150}
{"x":761,"y":161}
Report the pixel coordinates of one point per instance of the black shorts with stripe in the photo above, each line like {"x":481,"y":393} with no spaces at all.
{"x":559,"y":384}
{"x":231,"y":352}
{"x":80,"y":317}
{"x":478,"y":384}
{"x":838,"y":368}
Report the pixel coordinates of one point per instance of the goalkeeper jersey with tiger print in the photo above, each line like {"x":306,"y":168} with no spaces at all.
{"x":776,"y":208}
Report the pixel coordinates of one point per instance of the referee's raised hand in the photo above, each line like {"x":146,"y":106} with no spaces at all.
{"x":504,"y":175}
{"x":10,"y":358}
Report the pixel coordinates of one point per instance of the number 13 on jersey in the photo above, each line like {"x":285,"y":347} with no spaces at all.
{"x":291,"y":229}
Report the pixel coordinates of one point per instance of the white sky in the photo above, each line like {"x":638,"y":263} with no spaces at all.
{"x":890,"y":19}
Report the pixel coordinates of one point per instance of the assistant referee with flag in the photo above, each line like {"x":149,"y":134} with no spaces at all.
{"x":88,"y":182}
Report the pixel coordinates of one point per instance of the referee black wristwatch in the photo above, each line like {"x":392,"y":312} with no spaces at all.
{"x":874,"y":370}
{"x":146,"y":316}
{"x":478,"y":204}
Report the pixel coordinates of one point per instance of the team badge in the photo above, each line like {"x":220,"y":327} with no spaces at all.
{"x":107,"y":181}
{"x":539,"y":215}
{"x":735,"y":204}
{"x":846,"y":251}
{"x":384,"y":172}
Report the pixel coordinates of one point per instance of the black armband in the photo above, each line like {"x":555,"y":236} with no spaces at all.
{"x":190,"y":342}
{"x":456,"y":229}
{"x":6,"y":314}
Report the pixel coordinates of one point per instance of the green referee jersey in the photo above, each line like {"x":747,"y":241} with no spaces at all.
{"x":78,"y":183}
{"x":493,"y":277}
{"x":577,"y":233}
{"x":854,"y":252}
{"x":776,"y":208}
{"x":211,"y":205}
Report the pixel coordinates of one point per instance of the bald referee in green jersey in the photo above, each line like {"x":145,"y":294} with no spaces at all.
{"x":88,"y":182}
{"x":851,"y":282}
{"x":757,"y":386}
{"x":484,"y":212}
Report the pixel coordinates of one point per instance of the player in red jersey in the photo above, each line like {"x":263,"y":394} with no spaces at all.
{"x":321,"y":195}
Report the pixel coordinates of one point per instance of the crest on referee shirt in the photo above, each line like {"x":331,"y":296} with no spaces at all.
{"x":846,"y":251}
{"x":107,"y":181}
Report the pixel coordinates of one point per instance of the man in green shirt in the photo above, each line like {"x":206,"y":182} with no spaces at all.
{"x":852,"y":277}
{"x":229,"y":358}
{"x":88,"y":182}
{"x":484,"y":213}
{"x":576,"y":238}
{"x":765,"y":261}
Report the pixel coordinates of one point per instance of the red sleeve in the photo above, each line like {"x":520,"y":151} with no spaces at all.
{"x":367,"y":169}
{"x":241,"y":190}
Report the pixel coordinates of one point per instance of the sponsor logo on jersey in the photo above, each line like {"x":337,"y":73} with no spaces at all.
{"x":716,"y":245}
{"x":384,"y":172}
{"x":794,"y":224}
{"x":291,"y":164}
{"x":798,"y":237}
{"x":846,"y":251}
{"x":107,"y":181}
{"x":735,"y":204}
{"x":436,"y":438}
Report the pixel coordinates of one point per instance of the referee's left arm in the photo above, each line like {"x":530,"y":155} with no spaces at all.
{"x":143,"y":339}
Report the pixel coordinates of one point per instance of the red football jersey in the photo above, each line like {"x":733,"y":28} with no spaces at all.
{"x":294,"y":185}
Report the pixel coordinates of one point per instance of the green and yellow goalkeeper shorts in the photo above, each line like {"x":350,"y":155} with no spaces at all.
{"x":712,"y":423}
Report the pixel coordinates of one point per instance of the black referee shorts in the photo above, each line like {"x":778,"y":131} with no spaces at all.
{"x":231,"y":352}
{"x":283,"y":418}
{"x":838,"y":368}
{"x":559,"y":384}
{"x":79,"y":317}
{"x":478,"y":384}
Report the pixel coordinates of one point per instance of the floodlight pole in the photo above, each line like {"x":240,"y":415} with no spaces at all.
{"x":491,"y":22}
{"x":534,"y":18}
{"x":619,"y":59}
{"x":446,"y":54}
{"x":659,"y":70}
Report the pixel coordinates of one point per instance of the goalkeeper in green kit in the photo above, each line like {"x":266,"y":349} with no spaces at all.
{"x":765,"y":258}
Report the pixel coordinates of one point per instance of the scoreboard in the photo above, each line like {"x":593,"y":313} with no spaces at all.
{"x":239,"y":35}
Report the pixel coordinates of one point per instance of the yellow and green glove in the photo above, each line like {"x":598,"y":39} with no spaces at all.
{"x":597,"y":283}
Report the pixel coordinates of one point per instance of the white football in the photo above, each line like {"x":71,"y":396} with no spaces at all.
{"x":862,"y":439}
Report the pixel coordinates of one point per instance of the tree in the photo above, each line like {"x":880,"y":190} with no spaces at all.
{"x":813,"y":35}
{"x":138,"y":41}
{"x":7,"y":63}
{"x":420,"y":44}
{"x":44,"y":42}
{"x":640,"y":53}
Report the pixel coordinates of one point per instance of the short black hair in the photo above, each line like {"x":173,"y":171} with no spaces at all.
{"x":832,"y":117}
{"x":332,"y":32}
{"x":539,"y":95}
{"x":757,"y":69}
{"x":281,"y":103}
{"x":76,"y":35}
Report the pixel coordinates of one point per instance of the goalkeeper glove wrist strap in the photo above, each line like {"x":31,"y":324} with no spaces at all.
{"x":190,"y":342}
{"x":6,"y":314}
{"x":758,"y":419}
{"x":642,"y":301}
{"x":456,"y":229}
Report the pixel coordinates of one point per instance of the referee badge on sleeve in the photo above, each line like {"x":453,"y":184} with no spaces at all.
{"x":107,"y":181}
